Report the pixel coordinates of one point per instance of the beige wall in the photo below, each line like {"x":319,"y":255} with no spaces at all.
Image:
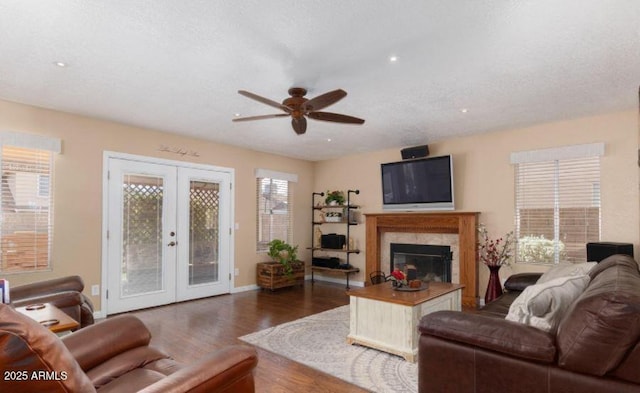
{"x":484,"y":178}
{"x":484,"y":181}
{"x":78,"y":187}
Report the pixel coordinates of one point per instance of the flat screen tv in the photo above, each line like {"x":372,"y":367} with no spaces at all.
{"x":420,"y":184}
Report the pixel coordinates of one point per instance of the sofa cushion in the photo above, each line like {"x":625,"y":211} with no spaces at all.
{"x":133,"y":381}
{"x":493,"y":334}
{"x":566,"y":269}
{"x":613,"y":260}
{"x":122,"y":364}
{"x":519,"y":281}
{"x":108,"y":331}
{"x":628,"y":368}
{"x":499,"y":308}
{"x":603,"y":324}
{"x":543,"y":305}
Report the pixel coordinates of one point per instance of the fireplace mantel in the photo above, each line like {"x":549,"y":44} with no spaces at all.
{"x":464,"y":224}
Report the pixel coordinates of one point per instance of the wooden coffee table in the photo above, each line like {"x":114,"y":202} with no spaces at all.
{"x":387,"y":319}
{"x":49,"y":316}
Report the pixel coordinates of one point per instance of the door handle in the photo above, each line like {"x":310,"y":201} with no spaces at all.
{"x":171,"y":244}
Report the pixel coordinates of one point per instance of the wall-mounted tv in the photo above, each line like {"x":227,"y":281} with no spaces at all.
{"x":420,"y":184}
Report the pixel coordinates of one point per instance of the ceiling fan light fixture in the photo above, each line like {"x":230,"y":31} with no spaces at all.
{"x":299,"y":108}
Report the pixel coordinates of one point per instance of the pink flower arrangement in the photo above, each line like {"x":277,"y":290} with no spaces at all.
{"x":496,"y":252}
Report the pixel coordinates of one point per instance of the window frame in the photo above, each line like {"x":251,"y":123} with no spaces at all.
{"x":587,"y":159}
{"x":34,"y":147}
{"x":262,"y":174}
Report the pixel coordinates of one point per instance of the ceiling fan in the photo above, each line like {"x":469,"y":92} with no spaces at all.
{"x":299,"y":107}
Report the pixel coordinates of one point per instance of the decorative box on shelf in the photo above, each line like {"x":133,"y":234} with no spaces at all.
{"x":333,"y":217}
{"x":272,"y":275}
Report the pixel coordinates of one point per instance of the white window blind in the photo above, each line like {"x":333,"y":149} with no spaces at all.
{"x":557,"y":203}
{"x":26,"y":225}
{"x":274,"y":197}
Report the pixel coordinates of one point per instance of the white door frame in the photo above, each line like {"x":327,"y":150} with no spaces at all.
{"x":107,"y":155}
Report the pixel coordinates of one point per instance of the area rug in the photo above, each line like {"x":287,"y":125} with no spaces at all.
{"x":319,"y":341}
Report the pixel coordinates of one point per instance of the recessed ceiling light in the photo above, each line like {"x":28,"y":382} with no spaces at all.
{"x":60,"y":64}
{"x":464,"y":110}
{"x":328,"y":139}
{"x":393,"y":59}
{"x":237,"y":115}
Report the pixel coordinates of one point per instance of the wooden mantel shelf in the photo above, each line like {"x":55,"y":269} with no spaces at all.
{"x":464,"y":224}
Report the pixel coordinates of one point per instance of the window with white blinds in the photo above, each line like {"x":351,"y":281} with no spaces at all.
{"x":557,"y":195}
{"x":26,"y":194}
{"x":274,"y":197}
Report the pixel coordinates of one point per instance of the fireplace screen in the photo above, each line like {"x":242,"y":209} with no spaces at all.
{"x":425,"y":262}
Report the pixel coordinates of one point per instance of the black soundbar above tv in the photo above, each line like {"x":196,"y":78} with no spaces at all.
{"x":420,"y":184}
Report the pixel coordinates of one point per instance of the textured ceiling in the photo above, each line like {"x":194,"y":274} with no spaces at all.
{"x":177,"y":65}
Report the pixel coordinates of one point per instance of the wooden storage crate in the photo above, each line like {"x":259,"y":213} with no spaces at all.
{"x":271,"y":275}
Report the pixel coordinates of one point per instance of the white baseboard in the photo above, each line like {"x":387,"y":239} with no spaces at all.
{"x":352,"y":283}
{"x":98,"y":315}
{"x":307,"y":279}
{"x":244,"y":288}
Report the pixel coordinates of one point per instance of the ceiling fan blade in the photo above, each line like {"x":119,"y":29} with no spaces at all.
{"x":260,"y":117}
{"x":335,"y":117}
{"x":264,"y":100}
{"x":324,"y":100}
{"x":299,"y":125}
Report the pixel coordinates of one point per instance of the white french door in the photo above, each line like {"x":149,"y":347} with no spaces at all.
{"x":168,"y":233}
{"x":204,"y":232}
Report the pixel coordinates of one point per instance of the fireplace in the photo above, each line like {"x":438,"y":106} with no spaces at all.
{"x":461,"y":224}
{"x":423,"y":262}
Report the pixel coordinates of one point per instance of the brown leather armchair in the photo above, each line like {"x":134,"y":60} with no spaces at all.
{"x":64,"y":293}
{"x":110,"y":356}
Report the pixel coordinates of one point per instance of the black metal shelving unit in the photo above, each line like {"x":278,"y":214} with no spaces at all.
{"x":347,"y":220}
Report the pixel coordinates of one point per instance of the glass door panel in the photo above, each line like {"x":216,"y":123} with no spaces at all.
{"x":142,"y":268}
{"x":203,"y":232}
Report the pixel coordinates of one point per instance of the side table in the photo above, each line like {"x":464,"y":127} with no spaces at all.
{"x":49,"y":316}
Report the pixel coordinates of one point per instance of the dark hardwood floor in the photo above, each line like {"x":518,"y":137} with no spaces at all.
{"x":191,"y":329}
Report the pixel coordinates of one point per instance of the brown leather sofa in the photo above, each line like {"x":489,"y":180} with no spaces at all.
{"x":64,"y":293}
{"x":596,"y":347}
{"x":110,"y":356}
{"x":513,"y":287}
